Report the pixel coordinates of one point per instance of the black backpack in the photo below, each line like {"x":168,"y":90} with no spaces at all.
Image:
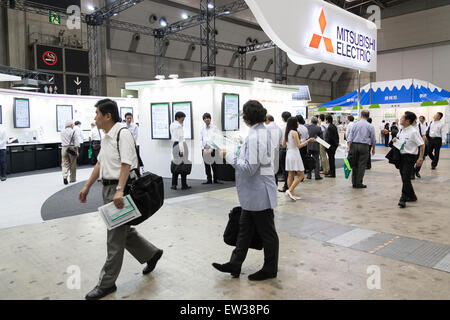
{"x":147,"y":190}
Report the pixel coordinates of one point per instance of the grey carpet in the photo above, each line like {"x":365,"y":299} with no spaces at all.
{"x":65,"y":202}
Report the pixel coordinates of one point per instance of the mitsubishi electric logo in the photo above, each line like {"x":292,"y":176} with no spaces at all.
{"x":317,"y":39}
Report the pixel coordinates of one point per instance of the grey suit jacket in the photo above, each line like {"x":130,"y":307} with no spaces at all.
{"x":314,"y":132}
{"x":254,"y":169}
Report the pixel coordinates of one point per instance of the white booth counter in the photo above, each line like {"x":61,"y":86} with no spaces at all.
{"x":203,"y":95}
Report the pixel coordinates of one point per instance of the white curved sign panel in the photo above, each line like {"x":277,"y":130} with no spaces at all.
{"x":312,"y":31}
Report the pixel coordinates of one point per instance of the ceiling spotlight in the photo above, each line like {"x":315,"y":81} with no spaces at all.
{"x":173,"y":76}
{"x":163,"y":22}
{"x":184,"y":16}
{"x":90,"y":7}
{"x":226,"y":12}
{"x":160,"y":77}
{"x":115,"y":14}
{"x":210,"y":5}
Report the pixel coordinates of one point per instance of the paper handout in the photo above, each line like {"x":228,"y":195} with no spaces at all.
{"x":114,"y":217}
{"x":399,"y":144}
{"x":323,"y":142}
{"x":218,"y":141}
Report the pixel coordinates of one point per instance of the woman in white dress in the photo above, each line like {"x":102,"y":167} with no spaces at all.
{"x":294,"y":163}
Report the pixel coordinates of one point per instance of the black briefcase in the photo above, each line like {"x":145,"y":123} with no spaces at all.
{"x":309,"y":162}
{"x":182,"y":168}
{"x":232,"y":230}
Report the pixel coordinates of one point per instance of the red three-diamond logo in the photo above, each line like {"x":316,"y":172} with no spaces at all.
{"x":317,"y":39}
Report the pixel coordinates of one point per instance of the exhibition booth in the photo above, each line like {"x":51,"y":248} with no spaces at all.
{"x":388,"y":100}
{"x":223,"y":98}
{"x":33,"y":122}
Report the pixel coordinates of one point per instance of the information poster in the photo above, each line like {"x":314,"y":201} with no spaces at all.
{"x":124,"y":111}
{"x":160,"y":121}
{"x":302,"y":111}
{"x":21,"y":113}
{"x":186,"y":108}
{"x":230,"y":112}
{"x":63,"y":113}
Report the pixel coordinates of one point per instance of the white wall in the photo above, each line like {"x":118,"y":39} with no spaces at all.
{"x":43,"y":111}
{"x":156,"y":154}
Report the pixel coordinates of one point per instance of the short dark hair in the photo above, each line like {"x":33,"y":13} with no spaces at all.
{"x":441,"y":115}
{"x":422,"y":117}
{"x":206,"y":116}
{"x":365,"y":114}
{"x":351,"y":118}
{"x":77,"y":123}
{"x":410,"y":117}
{"x":329,"y":118}
{"x":270,"y":118}
{"x":179,"y":115}
{"x":383,"y":121}
{"x":254,"y":112}
{"x":300,"y":119}
{"x":128,"y":114}
{"x":292,"y":124}
{"x":369,"y":120}
{"x":106,"y":106}
{"x":286,"y":115}
{"x":322,"y":117}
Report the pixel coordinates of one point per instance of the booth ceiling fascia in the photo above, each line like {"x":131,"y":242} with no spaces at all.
{"x":20,"y":93}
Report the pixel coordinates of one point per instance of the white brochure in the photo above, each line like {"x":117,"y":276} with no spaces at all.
{"x":114,"y":217}
{"x":323,"y":142}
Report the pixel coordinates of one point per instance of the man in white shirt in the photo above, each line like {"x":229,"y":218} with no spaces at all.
{"x":79,"y":133}
{"x":179,"y":151}
{"x":282,"y":163}
{"x":323,"y":152}
{"x":209,"y":153}
{"x":349,"y":127}
{"x":114,"y":168}
{"x":437,"y":136}
{"x":3,"y":140}
{"x":422,"y":128}
{"x":69,"y":152}
{"x":408,"y":156}
{"x":277,"y":138}
{"x":383,"y":123}
{"x":131,"y":126}
{"x":95,"y":138}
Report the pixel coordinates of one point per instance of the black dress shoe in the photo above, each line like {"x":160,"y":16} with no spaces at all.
{"x":185,"y":187}
{"x":65,"y":181}
{"x":207,"y":182}
{"x":360,"y":186}
{"x":151,"y":264}
{"x":173,"y":187}
{"x":330,"y":176}
{"x":227,"y":268}
{"x":409,"y":199}
{"x":402,"y":203}
{"x":262,"y":275}
{"x":433,"y":168}
{"x":319,"y":178}
{"x":418,"y":175}
{"x":98,"y":293}
{"x":218,"y":182}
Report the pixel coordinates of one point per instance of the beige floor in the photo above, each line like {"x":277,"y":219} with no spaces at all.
{"x":35,"y":258}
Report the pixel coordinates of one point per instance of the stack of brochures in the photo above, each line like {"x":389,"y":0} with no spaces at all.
{"x":114,"y":217}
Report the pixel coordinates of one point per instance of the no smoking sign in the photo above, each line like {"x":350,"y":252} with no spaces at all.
{"x":49,"y":58}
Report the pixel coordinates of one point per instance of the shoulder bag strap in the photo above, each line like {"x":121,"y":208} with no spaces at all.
{"x":71,"y":139}
{"x":140,"y":163}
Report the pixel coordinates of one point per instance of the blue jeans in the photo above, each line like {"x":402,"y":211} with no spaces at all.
{"x":3,"y":163}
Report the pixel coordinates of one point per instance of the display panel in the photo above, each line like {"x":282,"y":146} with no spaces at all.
{"x":1,"y":119}
{"x":186,"y":108}
{"x":302,"y":94}
{"x":302,"y":111}
{"x":63,"y":113}
{"x":124,"y":111}
{"x":230,"y":112}
{"x":160,"y":123}
{"x":21,"y":113}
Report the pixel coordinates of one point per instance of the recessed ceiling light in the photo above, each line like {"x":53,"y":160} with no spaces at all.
{"x":184,"y":16}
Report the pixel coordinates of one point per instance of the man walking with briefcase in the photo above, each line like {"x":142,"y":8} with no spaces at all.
{"x":115,"y":170}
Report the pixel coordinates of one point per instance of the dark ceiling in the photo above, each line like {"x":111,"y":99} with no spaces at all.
{"x":359,"y":7}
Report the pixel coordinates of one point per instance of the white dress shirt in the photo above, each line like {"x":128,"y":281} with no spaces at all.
{"x":276,"y":134}
{"x":437,"y":130}
{"x":66,"y":138}
{"x":423,"y":128}
{"x":110,"y":161}
{"x":134,"y":130}
{"x":95,"y":134}
{"x":79,"y":134}
{"x":3,"y":138}
{"x":177,"y":133}
{"x":348,"y":130}
{"x":205,"y":135}
{"x":412,"y":138}
{"x":303,"y":131}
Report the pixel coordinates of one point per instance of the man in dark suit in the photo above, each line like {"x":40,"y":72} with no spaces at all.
{"x":332,"y":138}
{"x":314,"y":131}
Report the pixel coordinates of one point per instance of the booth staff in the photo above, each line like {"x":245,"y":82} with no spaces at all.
{"x":95,"y":138}
{"x":438,"y":138}
{"x":408,"y":155}
{"x":69,"y":152}
{"x":131,"y":126}
{"x":208,"y":153}
{"x":179,"y":149}
{"x":257,"y":194}
{"x":360,"y":138}
{"x":79,"y":133}
{"x":115,"y":170}
{"x":3,"y":140}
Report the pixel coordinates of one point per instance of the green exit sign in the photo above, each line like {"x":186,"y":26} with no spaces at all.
{"x":54,"y":18}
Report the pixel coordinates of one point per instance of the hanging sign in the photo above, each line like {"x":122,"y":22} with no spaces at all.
{"x":313,"y":31}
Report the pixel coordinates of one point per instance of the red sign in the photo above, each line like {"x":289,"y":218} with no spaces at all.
{"x":49,"y":58}
{"x":317,"y":39}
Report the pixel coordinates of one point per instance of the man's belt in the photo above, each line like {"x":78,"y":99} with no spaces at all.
{"x":107,"y":182}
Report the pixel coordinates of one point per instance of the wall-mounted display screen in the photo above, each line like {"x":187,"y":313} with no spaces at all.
{"x":186,"y":108}
{"x":160,"y":114}
{"x":21,"y":113}
{"x":63,"y":113}
{"x":302,"y":111}
{"x":302,"y":94}
{"x":1,"y":119}
{"x":230,"y":112}
{"x":124,"y":111}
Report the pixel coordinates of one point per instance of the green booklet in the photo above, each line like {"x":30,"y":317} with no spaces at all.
{"x":114,"y":217}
